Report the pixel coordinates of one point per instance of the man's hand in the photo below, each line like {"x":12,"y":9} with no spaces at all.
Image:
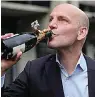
{"x":6,"y":64}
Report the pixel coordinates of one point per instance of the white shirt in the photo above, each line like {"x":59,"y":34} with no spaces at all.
{"x":76,"y":84}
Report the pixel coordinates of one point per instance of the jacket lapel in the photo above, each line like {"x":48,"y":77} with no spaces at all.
{"x":54,"y":77}
{"x":91,"y":76}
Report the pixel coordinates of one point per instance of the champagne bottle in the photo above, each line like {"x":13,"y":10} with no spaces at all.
{"x":23,"y":42}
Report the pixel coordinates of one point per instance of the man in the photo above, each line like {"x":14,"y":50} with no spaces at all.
{"x":68,"y":73}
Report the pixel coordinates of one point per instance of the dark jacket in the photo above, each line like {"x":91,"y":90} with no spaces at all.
{"x":41,"y":78}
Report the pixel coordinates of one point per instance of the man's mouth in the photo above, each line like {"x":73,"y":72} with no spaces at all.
{"x":53,"y":36}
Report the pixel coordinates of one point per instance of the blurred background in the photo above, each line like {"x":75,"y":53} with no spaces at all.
{"x":16,"y":17}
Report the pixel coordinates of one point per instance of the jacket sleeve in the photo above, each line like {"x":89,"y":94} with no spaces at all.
{"x":19,"y":88}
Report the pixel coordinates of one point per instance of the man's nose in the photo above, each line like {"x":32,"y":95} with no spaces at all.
{"x":53,"y":24}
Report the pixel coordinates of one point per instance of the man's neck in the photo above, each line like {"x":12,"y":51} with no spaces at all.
{"x":69,"y":59}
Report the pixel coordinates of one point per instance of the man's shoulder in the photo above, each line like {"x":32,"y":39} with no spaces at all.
{"x":90,"y":62}
{"x":89,"y":59}
{"x":43,"y":58}
{"x":39,"y":63}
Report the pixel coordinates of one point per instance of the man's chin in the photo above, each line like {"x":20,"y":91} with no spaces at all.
{"x":51,"y":46}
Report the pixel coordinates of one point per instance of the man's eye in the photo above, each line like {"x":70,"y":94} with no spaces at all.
{"x":50,"y":19}
{"x":63,"y":19}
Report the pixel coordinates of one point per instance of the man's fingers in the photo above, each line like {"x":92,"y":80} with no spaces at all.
{"x":7,"y":35}
{"x":6,"y":64}
{"x":18,"y":55}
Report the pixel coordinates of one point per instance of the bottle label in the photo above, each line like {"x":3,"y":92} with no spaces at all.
{"x":20,"y":47}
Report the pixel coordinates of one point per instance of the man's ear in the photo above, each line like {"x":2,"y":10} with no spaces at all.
{"x":82,"y":33}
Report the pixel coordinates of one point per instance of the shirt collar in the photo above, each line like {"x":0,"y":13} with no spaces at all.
{"x":81,"y":62}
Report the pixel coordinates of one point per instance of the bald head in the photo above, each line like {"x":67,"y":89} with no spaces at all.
{"x":77,"y":14}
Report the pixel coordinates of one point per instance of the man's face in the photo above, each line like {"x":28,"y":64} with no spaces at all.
{"x":63,"y":23}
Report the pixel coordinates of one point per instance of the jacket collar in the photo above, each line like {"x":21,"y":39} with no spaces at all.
{"x":90,"y":63}
{"x":91,"y":75}
{"x":54,"y":77}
